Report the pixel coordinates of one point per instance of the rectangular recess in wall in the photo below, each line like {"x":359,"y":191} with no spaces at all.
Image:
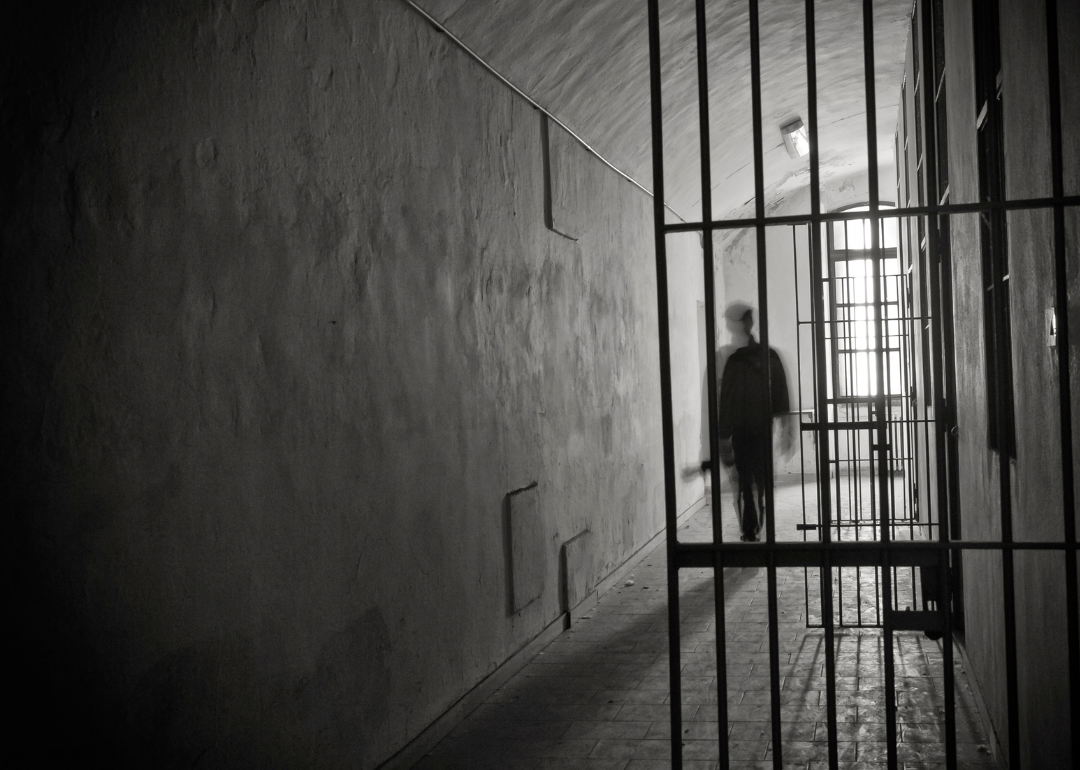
{"x":527,"y":547}
{"x":561,"y":181}
{"x":577,"y":563}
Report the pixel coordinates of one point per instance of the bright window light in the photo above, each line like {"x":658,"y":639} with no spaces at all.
{"x":855,"y":233}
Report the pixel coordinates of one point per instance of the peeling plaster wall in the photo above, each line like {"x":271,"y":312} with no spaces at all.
{"x":1036,"y":471}
{"x":286,"y":325}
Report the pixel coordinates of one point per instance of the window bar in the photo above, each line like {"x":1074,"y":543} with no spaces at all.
{"x":670,"y":511}
{"x":1064,"y":386}
{"x":886,"y":583}
{"x":710,"y":367}
{"x":763,"y":305}
{"x":820,"y":391}
{"x":936,"y":269}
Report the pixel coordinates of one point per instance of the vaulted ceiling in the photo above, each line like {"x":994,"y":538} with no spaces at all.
{"x":587,"y":62}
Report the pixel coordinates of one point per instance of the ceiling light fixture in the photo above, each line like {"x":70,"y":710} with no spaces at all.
{"x":796,"y":138}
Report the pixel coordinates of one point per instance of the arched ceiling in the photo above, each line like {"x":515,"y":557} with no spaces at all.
{"x":587,"y":62}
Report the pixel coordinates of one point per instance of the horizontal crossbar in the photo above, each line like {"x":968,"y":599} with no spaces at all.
{"x":909,"y":211}
{"x":865,"y":553}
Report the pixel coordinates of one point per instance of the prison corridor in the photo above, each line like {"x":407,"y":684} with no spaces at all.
{"x":597,"y":698}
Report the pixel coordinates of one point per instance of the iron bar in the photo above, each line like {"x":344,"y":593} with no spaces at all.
{"x":671,"y":513}
{"x":882,"y":456}
{"x":832,"y":361}
{"x":934,"y":249}
{"x":710,"y":367}
{"x":1009,"y":601}
{"x":820,"y":389}
{"x":1061,"y":301}
{"x":997,"y":334}
{"x":863,"y":553}
{"x":763,"y":329}
{"x":896,"y":546}
{"x":905,"y":211}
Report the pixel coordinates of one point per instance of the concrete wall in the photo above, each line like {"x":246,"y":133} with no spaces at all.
{"x":287,"y":327}
{"x":1036,"y":471}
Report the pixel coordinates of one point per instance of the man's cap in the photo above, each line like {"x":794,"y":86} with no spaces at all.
{"x":737,"y":311}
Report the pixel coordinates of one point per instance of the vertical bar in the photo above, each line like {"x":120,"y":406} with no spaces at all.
{"x":820,"y":378}
{"x":825,"y":513}
{"x":665,"y":386}
{"x":882,"y":432}
{"x":798,"y":390}
{"x":933,"y":233}
{"x":1061,"y":300}
{"x":986,"y":26}
{"x":710,"y":366}
{"x":834,"y":336}
{"x":763,"y":304}
{"x":1009,"y":599}
{"x":907,"y":356}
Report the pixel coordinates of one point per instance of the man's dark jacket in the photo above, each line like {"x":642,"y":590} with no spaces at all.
{"x":744,"y":404}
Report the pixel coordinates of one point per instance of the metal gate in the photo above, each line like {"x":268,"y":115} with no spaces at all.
{"x":851,"y":308}
{"x":902,"y":446}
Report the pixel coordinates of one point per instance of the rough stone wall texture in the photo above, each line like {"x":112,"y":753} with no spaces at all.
{"x":1036,"y":470}
{"x":285,"y":326}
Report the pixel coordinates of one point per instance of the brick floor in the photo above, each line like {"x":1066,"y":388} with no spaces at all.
{"x":597,"y":698}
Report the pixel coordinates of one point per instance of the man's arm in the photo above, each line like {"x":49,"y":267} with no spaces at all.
{"x":726,"y":406}
{"x":781,"y":406}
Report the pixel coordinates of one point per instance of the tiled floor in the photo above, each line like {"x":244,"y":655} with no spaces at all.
{"x":597,"y":697}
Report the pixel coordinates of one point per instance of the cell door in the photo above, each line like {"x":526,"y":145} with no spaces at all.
{"x":857,"y":475}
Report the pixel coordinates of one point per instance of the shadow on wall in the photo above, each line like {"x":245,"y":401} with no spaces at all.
{"x":218,"y":703}
{"x":193,"y":707}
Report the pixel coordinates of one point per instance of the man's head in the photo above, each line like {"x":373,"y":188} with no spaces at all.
{"x":739,"y":319}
